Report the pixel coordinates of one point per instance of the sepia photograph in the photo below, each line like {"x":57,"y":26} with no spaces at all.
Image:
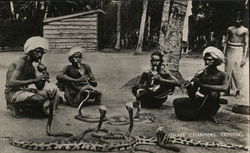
{"x":132,"y":76}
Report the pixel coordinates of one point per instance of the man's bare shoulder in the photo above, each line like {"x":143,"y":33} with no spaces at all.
{"x":241,"y":28}
{"x":231,"y":27}
{"x":244,"y":29}
{"x":18,"y":62}
{"x":166,"y":71}
{"x":147,"y":71}
{"x":221,"y":73}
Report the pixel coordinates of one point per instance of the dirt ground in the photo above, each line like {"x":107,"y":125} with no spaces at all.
{"x":112,"y":71}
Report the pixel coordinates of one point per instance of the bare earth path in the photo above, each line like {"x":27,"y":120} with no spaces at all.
{"x":112,"y":71}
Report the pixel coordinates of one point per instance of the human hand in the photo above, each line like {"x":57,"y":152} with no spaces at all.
{"x":196,"y":80}
{"x":41,"y":67}
{"x":187,"y":83}
{"x":196,"y":75}
{"x":156,"y":78}
{"x":243,"y":62}
{"x":43,"y":77}
{"x":82,"y":79}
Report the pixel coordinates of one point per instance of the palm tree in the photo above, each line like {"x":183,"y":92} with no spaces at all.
{"x":173,"y":16}
{"x":142,"y":27}
{"x":170,"y":39}
{"x":118,"y":24}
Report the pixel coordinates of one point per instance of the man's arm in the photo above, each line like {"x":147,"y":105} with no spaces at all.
{"x":143,"y":78}
{"x":245,"y":49}
{"x":191,"y":90}
{"x":91,"y":79}
{"x":13,"y":72}
{"x":63,"y":77}
{"x":225,"y":41}
{"x":172,"y":79}
{"x":219,"y":88}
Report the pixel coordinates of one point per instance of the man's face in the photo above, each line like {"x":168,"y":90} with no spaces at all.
{"x":155,"y":60}
{"x":37,"y":54}
{"x":76,"y":58}
{"x":237,"y":22}
{"x":209,"y":60}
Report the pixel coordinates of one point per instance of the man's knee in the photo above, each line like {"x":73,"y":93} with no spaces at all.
{"x":37,"y":99}
{"x":92,"y":94}
{"x":136,"y":88}
{"x":98,"y":97}
{"x":97,"y":93}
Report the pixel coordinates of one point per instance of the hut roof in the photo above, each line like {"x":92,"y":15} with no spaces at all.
{"x":47,"y":20}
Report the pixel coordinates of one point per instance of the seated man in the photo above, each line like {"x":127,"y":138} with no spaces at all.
{"x":77,"y":80}
{"x":155,"y":85}
{"x":21,"y":73}
{"x":204,"y":93}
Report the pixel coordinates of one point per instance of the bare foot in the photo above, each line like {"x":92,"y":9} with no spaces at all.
{"x":16,"y":112}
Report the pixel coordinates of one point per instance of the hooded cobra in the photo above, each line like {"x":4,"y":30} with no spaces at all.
{"x":162,"y":140}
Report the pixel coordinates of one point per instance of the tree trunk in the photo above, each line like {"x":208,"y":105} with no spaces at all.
{"x":142,"y":27}
{"x":12,"y":10}
{"x":170,"y":40}
{"x":46,"y":9}
{"x":173,"y":16}
{"x":118,"y":35}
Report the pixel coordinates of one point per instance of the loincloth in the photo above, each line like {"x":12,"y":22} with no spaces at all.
{"x":22,"y":95}
{"x":234,"y":44}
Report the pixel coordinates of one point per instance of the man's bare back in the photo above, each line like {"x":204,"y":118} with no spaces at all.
{"x":20,"y":70}
{"x":21,"y":73}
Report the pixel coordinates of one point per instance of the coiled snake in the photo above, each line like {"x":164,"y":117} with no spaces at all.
{"x":113,"y":120}
{"x":162,"y":139}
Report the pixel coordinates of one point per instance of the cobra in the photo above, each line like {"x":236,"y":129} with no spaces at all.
{"x":113,"y":120}
{"x":74,"y":143}
{"x":51,"y":94}
{"x":162,"y":139}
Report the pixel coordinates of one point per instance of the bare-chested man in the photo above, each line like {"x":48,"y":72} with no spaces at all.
{"x":204,"y":93}
{"x":20,"y":97}
{"x":235,"y":50}
{"x":155,"y":85}
{"x":77,"y":80}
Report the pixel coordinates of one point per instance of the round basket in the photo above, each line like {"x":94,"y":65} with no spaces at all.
{"x":241,"y":109}
{"x":186,"y":111}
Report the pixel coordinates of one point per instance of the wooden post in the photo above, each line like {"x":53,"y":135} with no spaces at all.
{"x":118,"y":33}
{"x":142,"y":27}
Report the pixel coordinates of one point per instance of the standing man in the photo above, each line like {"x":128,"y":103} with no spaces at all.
{"x":21,"y":73}
{"x":235,"y":50}
{"x":77,"y":80}
{"x":155,"y":85}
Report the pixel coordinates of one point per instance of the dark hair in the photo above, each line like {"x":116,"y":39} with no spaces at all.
{"x":35,"y":50}
{"x":70,"y":58}
{"x":157,"y":54}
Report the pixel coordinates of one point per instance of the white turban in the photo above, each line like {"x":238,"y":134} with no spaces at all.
{"x":215,"y":53}
{"x":73,"y":50}
{"x":36,"y":42}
